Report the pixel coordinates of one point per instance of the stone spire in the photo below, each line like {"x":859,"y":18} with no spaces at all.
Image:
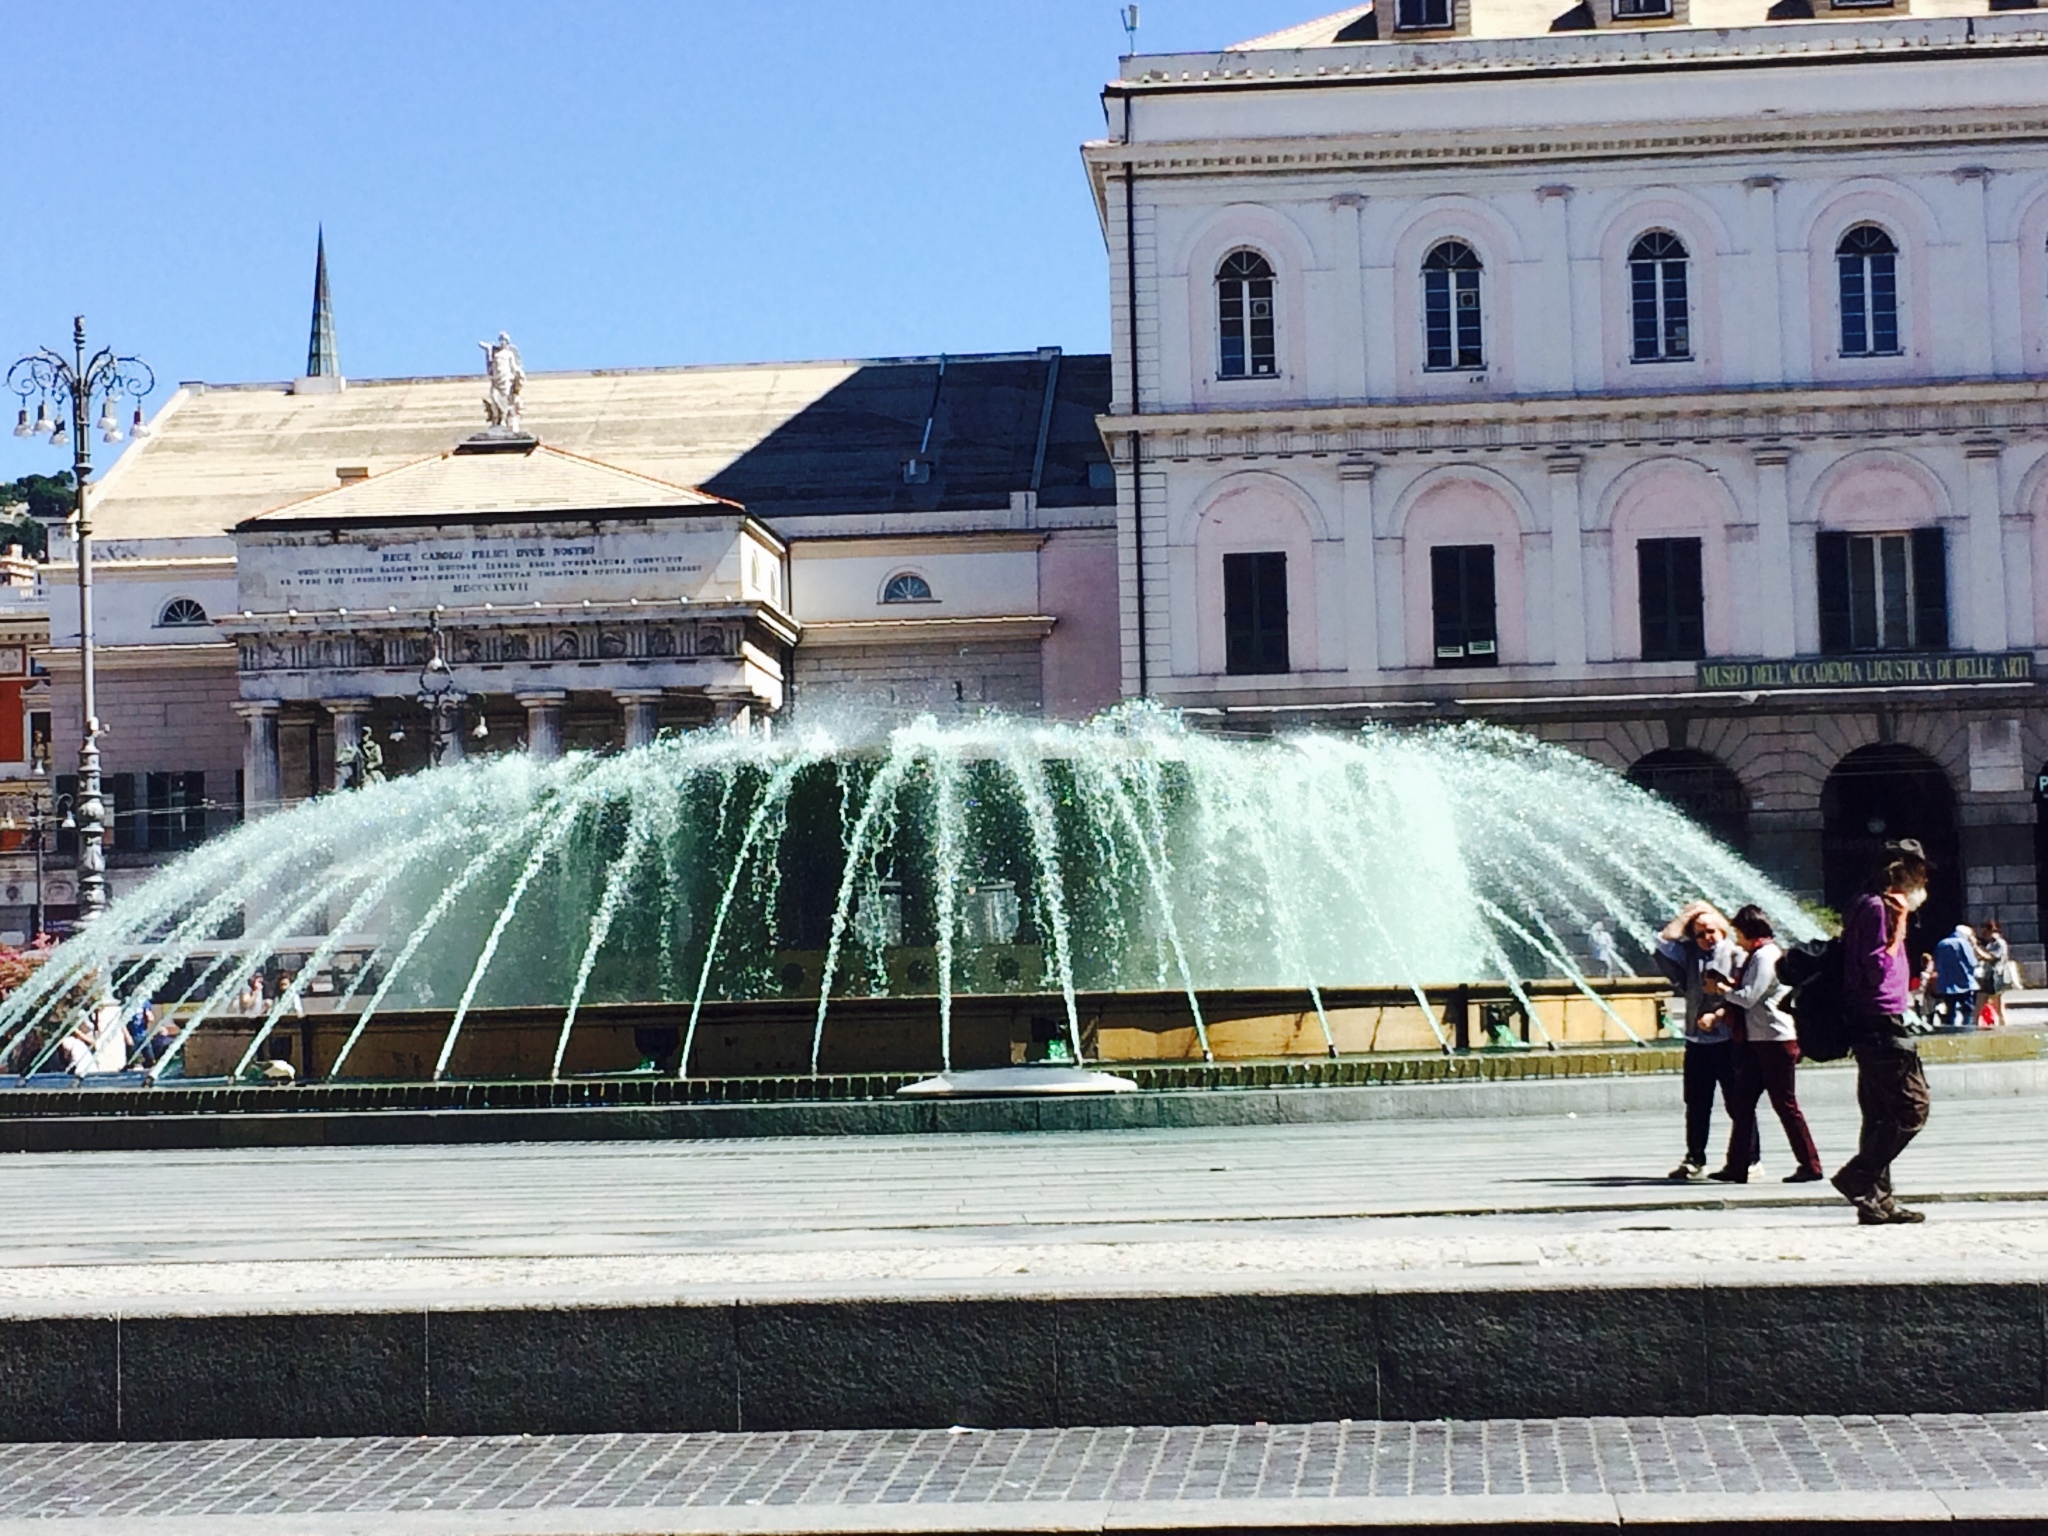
{"x":321,"y":360}
{"x":323,"y":366}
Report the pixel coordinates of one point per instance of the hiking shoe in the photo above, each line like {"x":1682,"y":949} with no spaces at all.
{"x":1888,"y":1216}
{"x":1730,"y":1175}
{"x":1687,"y":1170}
{"x":1804,"y":1176}
{"x":1849,"y":1193}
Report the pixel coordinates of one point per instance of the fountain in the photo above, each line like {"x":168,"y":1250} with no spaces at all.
{"x":816,"y":871}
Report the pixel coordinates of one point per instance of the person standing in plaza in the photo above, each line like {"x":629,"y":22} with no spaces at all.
{"x":1766,"y":1057}
{"x":1955,"y":978}
{"x":1999,"y":971}
{"x":1891,"y":1090}
{"x":1697,"y":954}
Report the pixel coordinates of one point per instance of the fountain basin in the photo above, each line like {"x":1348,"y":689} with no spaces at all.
{"x":1032,"y":1081}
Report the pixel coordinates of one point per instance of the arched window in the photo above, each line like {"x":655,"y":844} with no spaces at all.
{"x":1453,"y":334}
{"x":907,"y":587}
{"x":1657,"y":298}
{"x":181,"y":613}
{"x":1244,"y":317}
{"x":1868,"y":263}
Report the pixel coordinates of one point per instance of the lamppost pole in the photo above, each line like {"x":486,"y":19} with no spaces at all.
{"x":74,"y":383}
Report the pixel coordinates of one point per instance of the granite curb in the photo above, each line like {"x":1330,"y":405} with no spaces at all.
{"x":1165,"y":1109}
{"x":1461,"y":1352}
{"x":1877,"y":1514}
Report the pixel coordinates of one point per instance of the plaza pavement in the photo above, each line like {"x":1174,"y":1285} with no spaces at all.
{"x":1537,"y":1197}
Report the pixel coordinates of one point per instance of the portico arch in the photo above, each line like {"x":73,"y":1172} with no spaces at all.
{"x":1881,"y":793}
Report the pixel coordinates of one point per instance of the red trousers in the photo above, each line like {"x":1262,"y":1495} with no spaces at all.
{"x":1761,"y":1067}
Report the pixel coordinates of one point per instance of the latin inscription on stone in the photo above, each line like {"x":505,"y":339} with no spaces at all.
{"x":418,"y":573}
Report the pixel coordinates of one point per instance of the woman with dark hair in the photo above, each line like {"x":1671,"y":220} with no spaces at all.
{"x":1891,"y":1089}
{"x":1766,"y":1055}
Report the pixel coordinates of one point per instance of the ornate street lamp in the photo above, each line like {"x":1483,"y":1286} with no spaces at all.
{"x":443,"y":701}
{"x":76,"y":384}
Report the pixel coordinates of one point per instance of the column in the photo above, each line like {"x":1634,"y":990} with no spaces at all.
{"x":543,"y":722}
{"x":1773,"y":597}
{"x":642,"y":707}
{"x":1982,"y":600}
{"x":735,"y":715}
{"x":1763,"y":327}
{"x":261,"y":778}
{"x":351,"y":723}
{"x":1361,"y":628}
{"x":1974,"y":338}
{"x":1555,"y":366}
{"x":1567,"y":561}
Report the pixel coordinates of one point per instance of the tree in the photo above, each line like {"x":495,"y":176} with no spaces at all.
{"x":29,"y":505}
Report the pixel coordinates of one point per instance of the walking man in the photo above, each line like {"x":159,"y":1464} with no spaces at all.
{"x":1955,"y":978}
{"x":1696,"y":953}
{"x":1891,"y":1089}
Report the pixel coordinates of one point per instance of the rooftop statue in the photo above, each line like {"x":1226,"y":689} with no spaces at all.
{"x":501,"y":366}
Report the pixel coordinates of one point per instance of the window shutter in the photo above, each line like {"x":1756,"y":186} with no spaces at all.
{"x":1831,"y":559}
{"x":1653,"y":598}
{"x":1688,"y":602}
{"x":1930,"y":589}
{"x":1240,"y":610}
{"x":1272,"y":610}
{"x":1447,"y":601}
{"x":1480,"y":637}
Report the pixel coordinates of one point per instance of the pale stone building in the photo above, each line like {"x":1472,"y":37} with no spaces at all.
{"x":1661,"y":380}
{"x":278,"y":563}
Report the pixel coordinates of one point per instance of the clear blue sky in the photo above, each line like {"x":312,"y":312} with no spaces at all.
{"x":616,"y":184}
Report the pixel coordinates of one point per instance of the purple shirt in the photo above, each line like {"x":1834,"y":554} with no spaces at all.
{"x":1874,"y":975}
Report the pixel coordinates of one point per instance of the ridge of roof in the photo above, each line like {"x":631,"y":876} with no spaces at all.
{"x":908,"y":360}
{"x":341,"y":500}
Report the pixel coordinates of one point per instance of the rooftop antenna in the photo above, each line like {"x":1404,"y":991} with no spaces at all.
{"x":1129,"y":17}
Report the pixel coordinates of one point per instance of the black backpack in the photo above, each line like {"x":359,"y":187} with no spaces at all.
{"x":1814,"y":973}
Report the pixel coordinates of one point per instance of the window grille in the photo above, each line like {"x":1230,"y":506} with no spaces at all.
{"x":1452,"y":321}
{"x":1659,"y":300}
{"x":907,"y":587}
{"x":181,"y":613}
{"x":1244,"y":317}
{"x":1868,"y":264}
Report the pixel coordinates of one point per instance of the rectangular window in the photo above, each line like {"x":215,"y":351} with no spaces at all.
{"x":1870,"y":304}
{"x":1669,"y":593}
{"x":1639,"y":10}
{"x":1461,"y":596}
{"x":124,"y":820}
{"x":1883,"y":591}
{"x":177,"y":811}
{"x":1422,"y":15}
{"x":1255,"y":613}
{"x":1451,"y":319}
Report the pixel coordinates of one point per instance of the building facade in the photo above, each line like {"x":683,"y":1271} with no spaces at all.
{"x":1662,"y":382}
{"x":277,"y":563}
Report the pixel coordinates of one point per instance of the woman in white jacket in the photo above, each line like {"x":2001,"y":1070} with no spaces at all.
{"x":1766,"y":1054}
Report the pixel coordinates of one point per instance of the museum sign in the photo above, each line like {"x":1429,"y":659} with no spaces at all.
{"x":1876,"y":670}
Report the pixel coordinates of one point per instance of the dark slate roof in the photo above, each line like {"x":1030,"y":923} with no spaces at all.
{"x":979,"y":424}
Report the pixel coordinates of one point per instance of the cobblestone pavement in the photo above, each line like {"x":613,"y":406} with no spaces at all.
{"x":1052,"y":1478}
